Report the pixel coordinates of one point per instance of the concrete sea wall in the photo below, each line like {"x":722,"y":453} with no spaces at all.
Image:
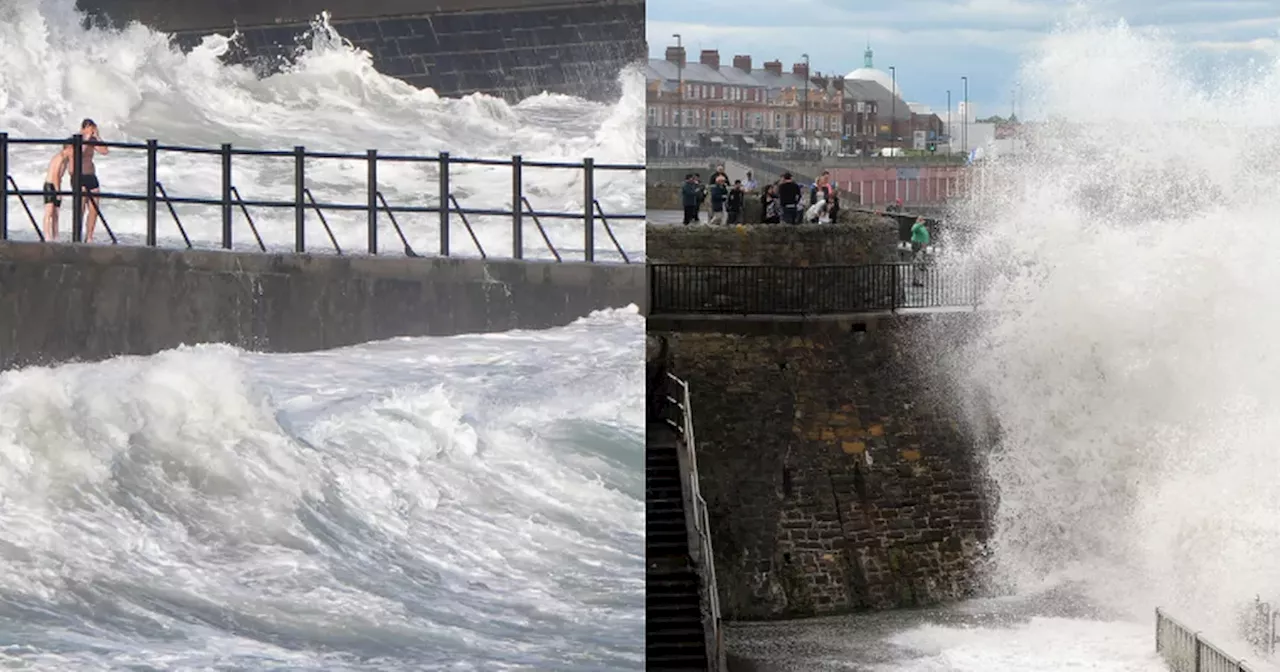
{"x":835,"y":467}
{"x":507,"y":48}
{"x":68,"y":302}
{"x":868,"y":240}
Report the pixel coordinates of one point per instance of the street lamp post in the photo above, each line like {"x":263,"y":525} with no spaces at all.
{"x":804,"y":121}
{"x":950,"y":151}
{"x":893,"y":111}
{"x":680,"y":100}
{"x":965,"y":119}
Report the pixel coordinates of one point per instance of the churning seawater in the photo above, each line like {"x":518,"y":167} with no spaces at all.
{"x":54,"y":72}
{"x":464,"y":503}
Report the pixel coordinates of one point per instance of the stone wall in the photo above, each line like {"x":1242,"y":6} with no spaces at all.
{"x":508,"y":48}
{"x":64,"y":302}
{"x":835,"y":469}
{"x":867,"y":240}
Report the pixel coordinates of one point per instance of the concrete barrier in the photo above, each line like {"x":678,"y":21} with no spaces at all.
{"x":75,"y":302}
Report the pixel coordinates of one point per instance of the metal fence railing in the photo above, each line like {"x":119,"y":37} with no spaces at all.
{"x":809,"y":290}
{"x":1184,"y":650}
{"x":700,"y":519}
{"x":305,"y":205}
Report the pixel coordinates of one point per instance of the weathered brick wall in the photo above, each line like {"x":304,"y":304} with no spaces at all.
{"x":837,"y":474}
{"x":512,"y":49}
{"x":867,"y":240}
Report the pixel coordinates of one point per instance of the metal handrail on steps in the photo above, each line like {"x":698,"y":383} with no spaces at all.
{"x":700,"y":520}
{"x":1185,"y":650}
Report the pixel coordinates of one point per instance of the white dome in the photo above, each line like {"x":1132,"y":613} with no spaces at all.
{"x":872,"y":75}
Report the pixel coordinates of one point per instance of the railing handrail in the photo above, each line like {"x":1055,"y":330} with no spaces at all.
{"x":831,"y":289}
{"x":446,"y":204}
{"x":701,"y":522}
{"x":1185,"y":650}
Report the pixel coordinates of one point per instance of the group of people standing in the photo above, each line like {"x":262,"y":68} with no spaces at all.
{"x":782,"y":202}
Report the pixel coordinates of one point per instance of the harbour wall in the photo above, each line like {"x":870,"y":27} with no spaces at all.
{"x":507,"y":48}
{"x":838,"y":473}
{"x":864,"y":239}
{"x":77,"y":302}
{"x":840,"y":468}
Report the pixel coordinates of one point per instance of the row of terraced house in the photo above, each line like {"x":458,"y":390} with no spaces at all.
{"x":742,"y":107}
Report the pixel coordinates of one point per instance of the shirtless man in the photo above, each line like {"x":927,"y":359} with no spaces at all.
{"x":58,"y":167}
{"x":88,"y":180}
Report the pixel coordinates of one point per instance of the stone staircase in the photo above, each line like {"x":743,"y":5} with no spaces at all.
{"x":675,"y":638}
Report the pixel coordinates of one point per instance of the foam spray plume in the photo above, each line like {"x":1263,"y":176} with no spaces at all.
{"x":54,"y":72}
{"x":1128,"y":360}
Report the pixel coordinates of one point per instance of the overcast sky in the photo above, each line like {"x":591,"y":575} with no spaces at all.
{"x":932,"y":43}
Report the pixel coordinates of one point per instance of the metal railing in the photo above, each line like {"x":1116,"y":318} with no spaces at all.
{"x":810,"y":290}
{"x":1185,"y":650}
{"x":1260,"y":625}
{"x":228,"y":200}
{"x":702,"y":524}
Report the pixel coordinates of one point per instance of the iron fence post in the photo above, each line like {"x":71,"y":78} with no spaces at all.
{"x":653,"y":289}
{"x":152,"y":151}
{"x":226,"y":196}
{"x":589,"y":214}
{"x":517,"y":207}
{"x":372,"y":159}
{"x":444,"y":204}
{"x":894,"y":300}
{"x":77,"y":204}
{"x":4,"y":185}
{"x":299,"y":198}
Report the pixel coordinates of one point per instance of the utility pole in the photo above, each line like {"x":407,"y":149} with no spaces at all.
{"x":965,"y":119}
{"x":893,"y":111}
{"x":804,"y":121}
{"x":680,"y":103}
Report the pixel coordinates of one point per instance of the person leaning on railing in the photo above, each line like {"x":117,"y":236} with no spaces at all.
{"x":919,"y":247}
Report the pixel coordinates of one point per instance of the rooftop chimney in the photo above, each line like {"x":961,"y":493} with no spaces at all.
{"x":800,"y":70}
{"x":711,"y":58}
{"x":742,"y":63}
{"x":676,"y":55}
{"x":774,"y":67}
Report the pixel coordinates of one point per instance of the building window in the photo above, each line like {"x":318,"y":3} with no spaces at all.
{"x":653,"y":116}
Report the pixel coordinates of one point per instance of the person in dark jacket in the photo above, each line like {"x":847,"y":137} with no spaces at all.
{"x":736,"y":196}
{"x":789,"y":196}
{"x":770,"y":207}
{"x":689,"y":196}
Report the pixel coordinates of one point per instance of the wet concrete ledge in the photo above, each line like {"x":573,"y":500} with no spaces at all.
{"x":77,"y":302}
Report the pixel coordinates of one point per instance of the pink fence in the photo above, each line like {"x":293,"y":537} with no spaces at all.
{"x":879,"y":186}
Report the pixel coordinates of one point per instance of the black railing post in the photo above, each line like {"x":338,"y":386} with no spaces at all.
{"x":372,"y":158}
{"x":444,"y":204}
{"x":77,"y":204}
{"x":894,"y":300}
{"x":517,"y":207}
{"x":152,"y":151}
{"x":226,"y":196}
{"x":589,"y":214}
{"x":299,"y":199}
{"x":4,"y":185}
